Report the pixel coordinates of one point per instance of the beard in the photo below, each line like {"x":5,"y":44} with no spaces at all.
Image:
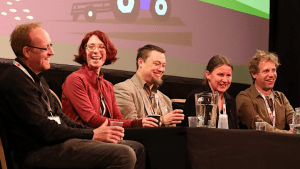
{"x":158,"y":82}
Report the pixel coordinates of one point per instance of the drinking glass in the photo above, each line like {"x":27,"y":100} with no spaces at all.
{"x":296,"y":121}
{"x":262,"y":126}
{"x":157,"y":117}
{"x":116,"y":123}
{"x":193,"y":120}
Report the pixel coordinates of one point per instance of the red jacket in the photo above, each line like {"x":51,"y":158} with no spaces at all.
{"x":81,"y":100}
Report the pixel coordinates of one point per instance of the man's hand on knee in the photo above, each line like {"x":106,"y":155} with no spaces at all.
{"x":110,"y":134}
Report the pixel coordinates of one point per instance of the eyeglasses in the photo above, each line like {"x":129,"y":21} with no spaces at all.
{"x":93,"y":48}
{"x":45,"y":49}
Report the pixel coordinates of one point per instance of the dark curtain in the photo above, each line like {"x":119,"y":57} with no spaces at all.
{"x":284,"y":40}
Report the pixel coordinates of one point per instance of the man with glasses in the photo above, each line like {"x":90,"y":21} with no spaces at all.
{"x":139,"y":96}
{"x":260,"y":103}
{"x":40,"y":135}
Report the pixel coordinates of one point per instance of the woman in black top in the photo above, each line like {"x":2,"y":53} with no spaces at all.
{"x":218,"y":77}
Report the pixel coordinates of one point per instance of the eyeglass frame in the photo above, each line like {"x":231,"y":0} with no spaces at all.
{"x":100,"y":48}
{"x":45,"y":49}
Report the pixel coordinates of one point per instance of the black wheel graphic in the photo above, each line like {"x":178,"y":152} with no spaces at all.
{"x":125,"y":10}
{"x":90,"y":14}
{"x":160,"y":10}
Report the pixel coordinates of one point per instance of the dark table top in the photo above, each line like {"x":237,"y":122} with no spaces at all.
{"x":184,"y":148}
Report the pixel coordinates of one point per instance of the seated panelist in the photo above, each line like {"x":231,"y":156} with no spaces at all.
{"x":218,"y":77}
{"x":87,"y":97}
{"x":260,"y":103}
{"x":39,"y":134}
{"x":139,"y":96}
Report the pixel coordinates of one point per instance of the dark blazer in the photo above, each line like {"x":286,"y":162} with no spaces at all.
{"x":190,"y":109}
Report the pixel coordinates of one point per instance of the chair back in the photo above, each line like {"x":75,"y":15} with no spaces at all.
{"x":4,"y":152}
{"x":2,"y":156}
{"x":6,"y":155}
{"x":56,"y":97}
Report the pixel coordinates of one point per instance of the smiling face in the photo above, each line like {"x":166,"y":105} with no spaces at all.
{"x":95,"y":57}
{"x":266,"y":77}
{"x":220,"y":78}
{"x":38,"y":60}
{"x":152,"y":70}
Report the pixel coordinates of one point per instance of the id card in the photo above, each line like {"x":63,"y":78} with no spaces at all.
{"x":55,"y":118}
{"x":223,"y":121}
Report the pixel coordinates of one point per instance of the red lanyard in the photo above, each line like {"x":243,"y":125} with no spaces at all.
{"x":271,"y":113}
{"x":23,"y":69}
{"x":224,"y":107}
{"x":27,"y":73}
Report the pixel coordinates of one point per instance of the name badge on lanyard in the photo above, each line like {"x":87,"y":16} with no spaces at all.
{"x":223,"y":118}
{"x":270,"y":112}
{"x":55,"y":118}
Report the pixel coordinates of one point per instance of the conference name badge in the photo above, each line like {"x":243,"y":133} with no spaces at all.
{"x":55,"y":118}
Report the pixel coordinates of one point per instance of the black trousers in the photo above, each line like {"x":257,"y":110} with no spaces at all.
{"x":84,"y":154}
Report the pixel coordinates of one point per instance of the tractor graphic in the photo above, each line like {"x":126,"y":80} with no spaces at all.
{"x":123,"y":10}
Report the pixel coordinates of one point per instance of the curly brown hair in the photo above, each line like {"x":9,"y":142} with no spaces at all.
{"x":111,"y":51}
{"x":259,"y":56}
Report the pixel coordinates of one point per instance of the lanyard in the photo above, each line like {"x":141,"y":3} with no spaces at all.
{"x":103,"y":108}
{"x":27,"y":73}
{"x":271,"y":113}
{"x":150,"y":101}
{"x":46,"y":101}
{"x":23,"y":69}
{"x":156,"y":101}
{"x":224,"y":107}
{"x":102,"y":103}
